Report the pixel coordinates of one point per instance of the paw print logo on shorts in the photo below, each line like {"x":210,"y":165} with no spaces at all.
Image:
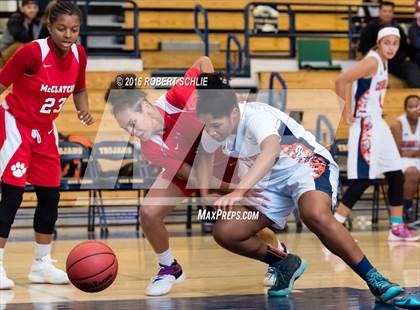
{"x":18,"y":169}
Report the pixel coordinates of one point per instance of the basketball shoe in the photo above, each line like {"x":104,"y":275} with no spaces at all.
{"x":167,"y":276}
{"x":411,"y":301}
{"x":270,"y":275}
{"x":383,"y":289}
{"x":5,"y":282}
{"x":287,"y":271}
{"x":44,"y":271}
{"x":401,"y":232}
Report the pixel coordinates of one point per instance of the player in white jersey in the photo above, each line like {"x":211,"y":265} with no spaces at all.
{"x":281,"y":158}
{"x":371,"y":147}
{"x":406,"y":132}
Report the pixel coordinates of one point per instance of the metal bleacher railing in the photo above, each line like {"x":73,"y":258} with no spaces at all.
{"x":89,"y":31}
{"x":350,"y":10}
{"x":87,"y":7}
{"x":202,"y":33}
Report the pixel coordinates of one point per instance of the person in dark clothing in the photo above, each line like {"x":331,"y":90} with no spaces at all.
{"x":414,"y":36}
{"x":42,"y":4}
{"x":399,"y":65}
{"x":367,"y":13}
{"x":23,"y":26}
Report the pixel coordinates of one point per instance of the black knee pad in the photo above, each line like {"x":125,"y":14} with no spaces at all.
{"x":11,"y":198}
{"x":395,"y":187}
{"x":354,"y":192}
{"x":47,"y":209}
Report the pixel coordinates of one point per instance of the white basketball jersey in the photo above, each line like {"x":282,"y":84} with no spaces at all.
{"x":368,"y":93}
{"x":410,"y":140}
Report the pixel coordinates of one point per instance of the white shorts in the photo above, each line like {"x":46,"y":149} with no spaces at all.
{"x":410,"y":162}
{"x":285,"y":190}
{"x":372,"y":149}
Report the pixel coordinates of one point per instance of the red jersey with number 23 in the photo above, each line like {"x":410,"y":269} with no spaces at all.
{"x":42,"y":82}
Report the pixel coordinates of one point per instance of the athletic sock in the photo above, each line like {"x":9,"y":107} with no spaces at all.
{"x":396,"y":220}
{"x":273,"y":255}
{"x":407,"y":204}
{"x":340,"y":218}
{"x":363,"y":267}
{"x":165,"y":258}
{"x":282,"y":247}
{"x":42,"y":250}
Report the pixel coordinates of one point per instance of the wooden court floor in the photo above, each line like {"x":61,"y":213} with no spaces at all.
{"x":216,"y":279}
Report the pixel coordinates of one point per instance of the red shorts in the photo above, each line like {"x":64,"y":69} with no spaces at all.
{"x":27,"y":154}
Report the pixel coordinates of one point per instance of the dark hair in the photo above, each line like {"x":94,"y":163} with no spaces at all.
{"x":27,"y":2}
{"x":387,"y":3}
{"x":408,"y":99}
{"x":217,"y":103}
{"x":61,"y":7}
{"x":124,"y":95}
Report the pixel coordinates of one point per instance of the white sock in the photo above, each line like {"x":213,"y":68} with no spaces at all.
{"x":340,"y":218}
{"x":1,"y":255}
{"x":166,"y":258}
{"x":281,"y":247}
{"x":42,"y":250}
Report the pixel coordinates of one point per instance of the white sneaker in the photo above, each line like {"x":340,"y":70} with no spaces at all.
{"x":5,"y":282}
{"x":167,"y":276}
{"x":270,"y":277}
{"x":44,"y":271}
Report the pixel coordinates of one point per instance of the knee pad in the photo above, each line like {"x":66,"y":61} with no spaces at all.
{"x":395,"y":187}
{"x":47,"y":209}
{"x":11,"y":198}
{"x":354,"y":192}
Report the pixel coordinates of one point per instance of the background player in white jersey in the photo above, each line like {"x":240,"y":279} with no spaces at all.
{"x":372,"y":149}
{"x":406,"y":132}
{"x":279,"y":156}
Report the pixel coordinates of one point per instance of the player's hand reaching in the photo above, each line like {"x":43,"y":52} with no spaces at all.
{"x":251,"y":199}
{"x":227,"y":201}
{"x":85,"y":117}
{"x":209,"y":199}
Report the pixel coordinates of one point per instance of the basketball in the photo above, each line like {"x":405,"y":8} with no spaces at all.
{"x":91,"y":266}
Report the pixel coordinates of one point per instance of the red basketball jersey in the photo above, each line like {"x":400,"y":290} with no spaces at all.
{"x":183,"y":128}
{"x":42,"y":82}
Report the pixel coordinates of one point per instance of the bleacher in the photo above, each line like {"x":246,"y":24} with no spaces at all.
{"x":162,"y":22}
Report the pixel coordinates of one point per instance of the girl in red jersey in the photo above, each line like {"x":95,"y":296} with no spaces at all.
{"x":170,"y":132}
{"x":44,"y":73}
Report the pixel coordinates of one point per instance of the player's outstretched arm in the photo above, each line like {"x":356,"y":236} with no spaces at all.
{"x":270,"y":152}
{"x":363,"y":69}
{"x":82,"y":106}
{"x":204,"y":64}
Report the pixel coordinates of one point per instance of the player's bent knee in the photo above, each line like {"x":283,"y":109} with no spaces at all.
{"x":316,"y":216}
{"x":222,"y":233}
{"x":411,"y":174}
{"x":149,"y":214}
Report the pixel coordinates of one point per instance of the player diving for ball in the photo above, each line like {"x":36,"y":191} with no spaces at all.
{"x":281,"y":158}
